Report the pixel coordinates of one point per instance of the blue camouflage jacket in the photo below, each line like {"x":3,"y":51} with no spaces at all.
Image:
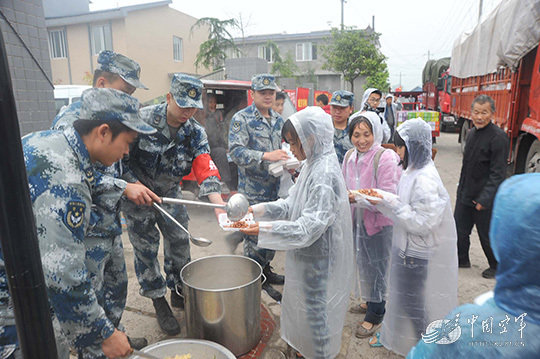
{"x":342,"y":143}
{"x":160,"y":163}
{"x":250,"y":136}
{"x":61,"y":178}
{"x":108,"y":190}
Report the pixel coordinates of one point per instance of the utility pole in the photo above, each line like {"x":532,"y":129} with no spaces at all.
{"x":373,"y":23}
{"x":400,"y":79}
{"x":342,"y":11}
{"x":480,"y":10}
{"x":428,"y":55}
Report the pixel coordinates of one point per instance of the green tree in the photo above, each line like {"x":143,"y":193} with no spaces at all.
{"x":353,"y":53}
{"x":212,"y":52}
{"x":284,"y":67}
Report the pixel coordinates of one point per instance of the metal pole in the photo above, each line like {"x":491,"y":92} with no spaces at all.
{"x":18,"y":234}
{"x":342,"y":23}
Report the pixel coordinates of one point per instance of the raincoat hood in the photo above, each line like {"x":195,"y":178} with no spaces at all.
{"x":368,"y":92}
{"x":417,"y":136}
{"x":376,"y":125}
{"x":515,"y":239}
{"x":315,"y":130}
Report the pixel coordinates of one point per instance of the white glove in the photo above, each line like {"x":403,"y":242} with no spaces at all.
{"x":361,"y":202}
{"x":389,"y":199}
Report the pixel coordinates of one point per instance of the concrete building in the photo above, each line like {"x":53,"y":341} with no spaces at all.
{"x":25,"y":38}
{"x":305,"y":49}
{"x":155,"y":35}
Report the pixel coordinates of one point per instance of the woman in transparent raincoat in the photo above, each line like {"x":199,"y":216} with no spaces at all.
{"x":423,"y":265}
{"x":508,"y":324}
{"x":370,"y":102}
{"x":314,"y":226}
{"x":369,"y":165}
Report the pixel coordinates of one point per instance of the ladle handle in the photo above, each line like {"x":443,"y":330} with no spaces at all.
{"x":169,"y":216}
{"x":186,"y":201}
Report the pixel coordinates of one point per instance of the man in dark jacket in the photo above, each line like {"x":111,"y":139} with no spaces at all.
{"x":482,"y":171}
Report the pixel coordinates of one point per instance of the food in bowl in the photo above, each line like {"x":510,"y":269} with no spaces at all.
{"x":177,"y":356}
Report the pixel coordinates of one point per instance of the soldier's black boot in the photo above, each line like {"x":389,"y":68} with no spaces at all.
{"x":166,"y":320}
{"x":272,"y":277}
{"x":177,"y":301}
{"x":272,"y":292}
{"x":137,"y":343}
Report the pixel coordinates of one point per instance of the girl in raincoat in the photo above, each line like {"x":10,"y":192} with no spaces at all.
{"x":423,"y":264}
{"x":370,"y":102}
{"x":506,"y":325}
{"x":314,"y":226}
{"x":368,"y":165}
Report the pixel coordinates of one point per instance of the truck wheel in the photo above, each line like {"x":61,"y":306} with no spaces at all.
{"x":464,"y":132}
{"x":532,"y":164}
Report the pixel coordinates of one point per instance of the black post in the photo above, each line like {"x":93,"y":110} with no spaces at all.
{"x":18,"y":234}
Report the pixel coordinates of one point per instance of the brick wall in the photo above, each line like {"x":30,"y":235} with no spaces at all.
{"x":33,"y":92}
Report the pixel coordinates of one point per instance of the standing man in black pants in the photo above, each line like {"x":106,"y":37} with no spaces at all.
{"x":482,"y":171}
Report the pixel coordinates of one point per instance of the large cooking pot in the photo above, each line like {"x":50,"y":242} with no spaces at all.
{"x":197,"y":348}
{"x":223,"y":301}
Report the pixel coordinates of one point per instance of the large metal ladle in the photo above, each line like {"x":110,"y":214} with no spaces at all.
{"x":236,"y":207}
{"x":201,"y":242}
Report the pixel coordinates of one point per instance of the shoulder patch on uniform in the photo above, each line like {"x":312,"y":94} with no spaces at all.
{"x":73,"y":216}
{"x":236,"y":126}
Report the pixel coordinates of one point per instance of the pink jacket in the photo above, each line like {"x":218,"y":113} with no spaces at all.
{"x":358,"y":173}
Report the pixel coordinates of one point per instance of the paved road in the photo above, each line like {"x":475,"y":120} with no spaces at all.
{"x":139,"y":318}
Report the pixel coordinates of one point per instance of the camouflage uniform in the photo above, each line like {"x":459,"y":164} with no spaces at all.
{"x":62,"y":181}
{"x":160,"y":162}
{"x":250,"y":136}
{"x":342,"y":143}
{"x":106,"y":265}
{"x":8,"y":333}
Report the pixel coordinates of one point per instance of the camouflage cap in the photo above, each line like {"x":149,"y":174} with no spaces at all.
{"x":263,"y":82}
{"x":126,"y":68}
{"x":342,"y":98}
{"x":110,"y":104}
{"x":187,"y":91}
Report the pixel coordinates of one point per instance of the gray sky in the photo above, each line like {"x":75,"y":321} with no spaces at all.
{"x":409,"y":29}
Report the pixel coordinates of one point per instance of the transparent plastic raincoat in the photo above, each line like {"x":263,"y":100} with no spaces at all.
{"x":499,"y":328}
{"x":371,"y":229}
{"x":423,"y":265}
{"x":314,"y":225}
{"x":366,"y":107}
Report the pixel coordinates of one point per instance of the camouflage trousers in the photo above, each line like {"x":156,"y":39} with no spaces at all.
{"x":107,"y":268}
{"x":262,"y":256}
{"x":144,"y":236}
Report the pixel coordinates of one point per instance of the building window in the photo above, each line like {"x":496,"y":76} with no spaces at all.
{"x":101,"y":37}
{"x":306,"y":51}
{"x":57,"y":44}
{"x":178,"y":49}
{"x":265,"y":52}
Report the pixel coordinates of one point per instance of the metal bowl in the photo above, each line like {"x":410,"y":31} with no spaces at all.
{"x":199,"y":349}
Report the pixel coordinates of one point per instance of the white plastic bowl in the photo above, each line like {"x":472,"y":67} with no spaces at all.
{"x":199,"y":349}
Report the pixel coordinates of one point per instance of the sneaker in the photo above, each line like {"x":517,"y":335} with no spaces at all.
{"x":464,"y":264}
{"x":489,"y":273}
{"x":272,"y":292}
{"x":272,"y":277}
{"x":166,"y":320}
{"x":362,"y":332}
{"x":177,"y":301}
{"x":137,"y":343}
{"x":358,"y":309}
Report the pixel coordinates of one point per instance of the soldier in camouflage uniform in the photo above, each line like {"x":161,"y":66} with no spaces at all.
{"x":61,"y":178}
{"x":108,"y":272}
{"x":341,"y":107}
{"x":255,"y":142}
{"x":159,"y":161}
